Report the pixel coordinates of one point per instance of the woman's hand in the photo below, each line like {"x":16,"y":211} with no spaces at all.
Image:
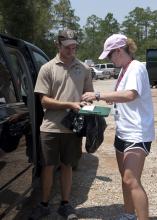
{"x":88,"y":96}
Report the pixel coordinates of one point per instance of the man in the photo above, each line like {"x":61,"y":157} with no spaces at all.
{"x":60,"y":84}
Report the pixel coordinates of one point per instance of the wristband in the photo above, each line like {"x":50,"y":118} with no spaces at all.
{"x":97,"y":96}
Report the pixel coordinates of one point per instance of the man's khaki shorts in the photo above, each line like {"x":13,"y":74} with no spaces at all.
{"x":60,"y":147}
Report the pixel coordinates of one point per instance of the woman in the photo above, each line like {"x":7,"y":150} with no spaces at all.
{"x":134,"y":121}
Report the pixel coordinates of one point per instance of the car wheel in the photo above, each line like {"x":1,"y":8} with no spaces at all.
{"x":108,"y":75}
{"x":115,"y":77}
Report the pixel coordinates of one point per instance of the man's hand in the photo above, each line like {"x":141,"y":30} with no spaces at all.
{"x":83,"y":103}
{"x":76,"y":106}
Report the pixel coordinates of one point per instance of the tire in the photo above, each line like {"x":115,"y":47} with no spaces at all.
{"x":115,"y":77}
{"x":109,"y":76}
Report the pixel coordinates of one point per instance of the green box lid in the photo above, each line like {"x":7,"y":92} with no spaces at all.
{"x":98,"y":110}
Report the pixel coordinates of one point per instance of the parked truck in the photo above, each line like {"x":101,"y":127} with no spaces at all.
{"x":151,"y":65}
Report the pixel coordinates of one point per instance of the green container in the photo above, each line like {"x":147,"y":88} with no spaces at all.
{"x":98,"y":110}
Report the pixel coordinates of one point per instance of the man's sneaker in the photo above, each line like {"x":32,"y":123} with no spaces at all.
{"x":67,"y":211}
{"x":127,"y":217}
{"x":39,"y":211}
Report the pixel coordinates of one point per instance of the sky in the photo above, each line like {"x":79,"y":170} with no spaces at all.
{"x":119,"y":8}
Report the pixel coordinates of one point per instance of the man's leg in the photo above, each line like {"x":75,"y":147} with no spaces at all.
{"x":43,"y":209}
{"x":46,"y":181}
{"x":65,"y":209}
{"x":50,"y":155}
{"x":69,"y":156}
{"x":66,"y":181}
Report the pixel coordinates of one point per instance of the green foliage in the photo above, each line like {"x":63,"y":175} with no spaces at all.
{"x":141,"y":25}
{"x":29,"y":19}
{"x":95,"y":31}
{"x":38,"y":22}
{"x":64,"y":15}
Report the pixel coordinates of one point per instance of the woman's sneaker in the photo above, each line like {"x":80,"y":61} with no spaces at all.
{"x":67,"y":211}
{"x":39,"y":211}
{"x":126,"y":216}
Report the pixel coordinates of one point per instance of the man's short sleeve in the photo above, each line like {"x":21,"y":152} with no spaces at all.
{"x":43,"y":81}
{"x":88,"y":86}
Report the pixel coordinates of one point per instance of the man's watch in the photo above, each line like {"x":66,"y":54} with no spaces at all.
{"x":97,"y":96}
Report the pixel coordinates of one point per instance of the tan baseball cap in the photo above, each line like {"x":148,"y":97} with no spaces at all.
{"x":67,"y":37}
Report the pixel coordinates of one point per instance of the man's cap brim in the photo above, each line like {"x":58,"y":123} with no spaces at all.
{"x":68,"y":42}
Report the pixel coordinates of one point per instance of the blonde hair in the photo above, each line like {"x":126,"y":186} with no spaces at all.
{"x":130,"y":47}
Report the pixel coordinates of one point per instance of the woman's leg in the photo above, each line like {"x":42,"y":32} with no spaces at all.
{"x":128,"y":203}
{"x":133,"y":162}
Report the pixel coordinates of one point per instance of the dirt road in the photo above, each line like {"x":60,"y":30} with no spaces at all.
{"x":96,"y":191}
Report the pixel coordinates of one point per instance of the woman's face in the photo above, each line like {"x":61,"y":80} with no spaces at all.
{"x":115,"y":57}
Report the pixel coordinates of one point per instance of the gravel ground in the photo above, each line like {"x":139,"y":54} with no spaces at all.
{"x":96,"y":191}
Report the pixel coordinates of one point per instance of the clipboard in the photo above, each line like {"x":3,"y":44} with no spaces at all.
{"x":98,"y":110}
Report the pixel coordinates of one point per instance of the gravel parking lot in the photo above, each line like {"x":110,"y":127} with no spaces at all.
{"x":96,"y":191}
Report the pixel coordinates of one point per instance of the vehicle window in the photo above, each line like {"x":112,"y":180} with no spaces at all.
{"x":21,"y":76}
{"x":40,"y":60}
{"x":102,"y":66}
{"x":152,"y":55}
{"x":110,"y":65}
{"x":7,"y":92}
{"x":96,"y":66}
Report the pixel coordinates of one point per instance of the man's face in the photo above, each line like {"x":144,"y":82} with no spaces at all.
{"x":68,"y":52}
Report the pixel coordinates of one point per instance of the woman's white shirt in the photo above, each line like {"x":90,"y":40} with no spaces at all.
{"x":135,"y":119}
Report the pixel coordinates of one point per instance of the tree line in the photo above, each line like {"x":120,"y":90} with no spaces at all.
{"x":39,"y":21}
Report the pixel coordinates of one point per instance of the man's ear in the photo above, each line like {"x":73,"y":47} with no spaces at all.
{"x":56,"y":43}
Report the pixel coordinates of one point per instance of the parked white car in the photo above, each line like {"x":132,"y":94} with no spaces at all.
{"x":108,"y":69}
{"x":102,"y":71}
{"x":97,"y":73}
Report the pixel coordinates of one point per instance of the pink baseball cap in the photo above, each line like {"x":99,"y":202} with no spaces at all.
{"x":113,"y":42}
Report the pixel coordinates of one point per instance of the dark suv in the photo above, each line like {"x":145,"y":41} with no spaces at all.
{"x":151,"y":65}
{"x":20,"y":117}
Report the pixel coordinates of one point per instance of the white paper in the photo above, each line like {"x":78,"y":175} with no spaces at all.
{"x":88,"y":107}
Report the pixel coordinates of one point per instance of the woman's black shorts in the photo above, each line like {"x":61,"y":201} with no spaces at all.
{"x":123,"y":146}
